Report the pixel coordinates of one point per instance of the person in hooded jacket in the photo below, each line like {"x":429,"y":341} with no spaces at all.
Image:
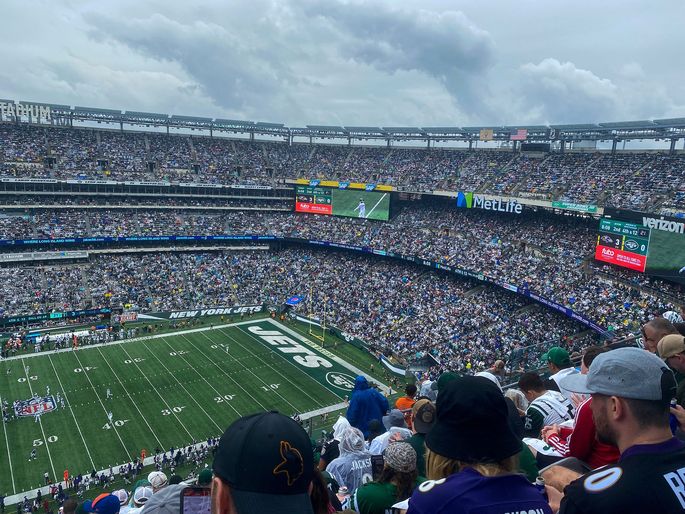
{"x":353,"y":467}
{"x":366,"y":403}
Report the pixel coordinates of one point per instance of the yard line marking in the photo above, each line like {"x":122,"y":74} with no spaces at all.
{"x":274,"y":369}
{"x":224,"y":371}
{"x":171,"y":410}
{"x":203,"y":378}
{"x":132,"y":401}
{"x":192,"y":397}
{"x":40,"y":422}
{"x":19,"y":497}
{"x":374,"y":207}
{"x":75,"y":353}
{"x":9,"y":457}
{"x":253,"y":373}
{"x":132,"y":340}
{"x":78,"y":427}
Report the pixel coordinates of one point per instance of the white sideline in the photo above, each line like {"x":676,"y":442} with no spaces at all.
{"x":45,"y":490}
{"x":122,"y":341}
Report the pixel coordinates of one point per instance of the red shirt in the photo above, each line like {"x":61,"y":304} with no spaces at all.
{"x":581,"y":441}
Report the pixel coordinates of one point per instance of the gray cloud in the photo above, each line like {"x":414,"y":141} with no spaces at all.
{"x":359,"y":62}
{"x":445,"y":45}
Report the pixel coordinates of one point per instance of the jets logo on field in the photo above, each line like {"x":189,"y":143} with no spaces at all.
{"x":35,"y":406}
{"x":340,"y":380}
{"x":631,"y":245}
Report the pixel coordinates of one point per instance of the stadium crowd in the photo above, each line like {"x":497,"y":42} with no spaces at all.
{"x":420,"y":314}
{"x":538,"y":252}
{"x":634,"y":180}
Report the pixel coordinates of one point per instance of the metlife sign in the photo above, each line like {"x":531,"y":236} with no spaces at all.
{"x":488,"y":203}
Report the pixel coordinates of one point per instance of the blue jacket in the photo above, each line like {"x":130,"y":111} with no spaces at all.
{"x":366,"y":404}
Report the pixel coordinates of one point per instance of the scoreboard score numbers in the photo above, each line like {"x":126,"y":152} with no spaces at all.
{"x":622,"y":243}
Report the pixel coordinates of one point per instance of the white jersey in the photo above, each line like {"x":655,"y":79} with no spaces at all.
{"x":554,"y":407}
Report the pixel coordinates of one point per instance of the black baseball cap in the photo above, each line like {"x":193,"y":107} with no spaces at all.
{"x":472,"y":422}
{"x":268,"y":461}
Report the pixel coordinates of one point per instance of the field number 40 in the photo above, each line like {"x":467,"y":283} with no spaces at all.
{"x":117,"y":423}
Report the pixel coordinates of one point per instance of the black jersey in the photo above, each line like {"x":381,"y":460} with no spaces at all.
{"x":648,"y":478}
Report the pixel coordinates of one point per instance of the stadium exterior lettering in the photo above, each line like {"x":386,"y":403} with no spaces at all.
{"x":497,"y":204}
{"x":33,"y":111}
{"x":665,"y":225}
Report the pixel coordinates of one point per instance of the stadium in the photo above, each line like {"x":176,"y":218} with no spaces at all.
{"x":167,"y":277}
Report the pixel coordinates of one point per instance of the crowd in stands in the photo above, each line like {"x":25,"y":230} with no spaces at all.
{"x":539,"y":253}
{"x":633,"y":180}
{"x":419,"y":314}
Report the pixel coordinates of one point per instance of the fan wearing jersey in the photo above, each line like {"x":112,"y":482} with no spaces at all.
{"x":546,"y":407}
{"x":631,"y":390}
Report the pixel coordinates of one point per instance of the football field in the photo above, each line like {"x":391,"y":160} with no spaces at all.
{"x":376,"y":205}
{"x":166,"y":390}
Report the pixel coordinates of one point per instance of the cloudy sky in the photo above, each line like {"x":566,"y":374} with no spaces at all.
{"x":352,"y":62}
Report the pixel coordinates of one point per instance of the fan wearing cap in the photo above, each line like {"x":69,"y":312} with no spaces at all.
{"x":671,"y":349}
{"x":157,"y":480}
{"x":264,"y":464}
{"x":472,"y":456}
{"x":559,"y":364}
{"x":631,"y":391}
{"x":103,"y":504}
{"x":396,"y":482}
{"x":396,"y":429}
{"x":423,"y":417}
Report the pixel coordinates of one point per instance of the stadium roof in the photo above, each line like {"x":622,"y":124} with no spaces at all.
{"x":673,"y":128}
{"x":191,"y":119}
{"x":146,"y":115}
{"x":674,"y":122}
{"x":97,"y":111}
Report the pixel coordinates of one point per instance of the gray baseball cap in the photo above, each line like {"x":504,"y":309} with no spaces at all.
{"x":395,"y":419}
{"x":627,"y":373}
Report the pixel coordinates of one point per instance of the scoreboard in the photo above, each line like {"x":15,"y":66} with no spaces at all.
{"x":650,"y":243}
{"x":316,"y":200}
{"x":623,"y":243}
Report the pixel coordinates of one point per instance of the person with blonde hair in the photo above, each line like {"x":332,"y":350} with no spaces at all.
{"x":472,"y":456}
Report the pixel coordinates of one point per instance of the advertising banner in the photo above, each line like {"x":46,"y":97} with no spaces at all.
{"x":202,"y":313}
{"x":580,"y":207}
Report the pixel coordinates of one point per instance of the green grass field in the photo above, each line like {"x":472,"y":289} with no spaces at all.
{"x":168,"y":390}
{"x":666,"y":254}
{"x":377,"y":205}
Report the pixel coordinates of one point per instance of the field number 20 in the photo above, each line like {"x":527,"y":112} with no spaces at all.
{"x":32,"y":377}
{"x":225,"y":398}
{"x":180,"y":352}
{"x":168,"y":412}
